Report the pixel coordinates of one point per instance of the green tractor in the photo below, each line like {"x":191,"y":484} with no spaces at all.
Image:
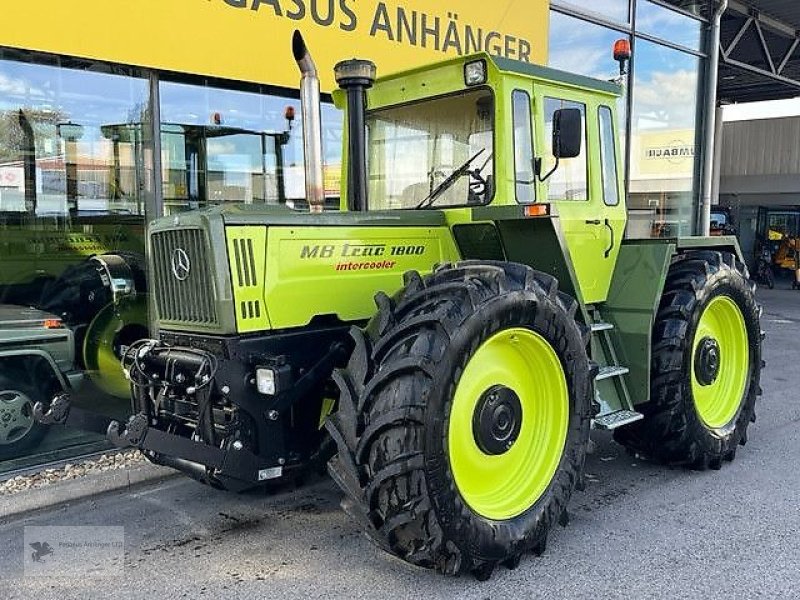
{"x":484,"y":213}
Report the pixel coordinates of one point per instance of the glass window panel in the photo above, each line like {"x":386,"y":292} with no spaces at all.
{"x":611,"y":10}
{"x":222,"y":145}
{"x":661,"y":22}
{"x":523,"y":147}
{"x":577,"y":46}
{"x":569,"y":180}
{"x":608,"y":157}
{"x":73,"y":173}
{"x":437,"y":153}
{"x":664,"y":143}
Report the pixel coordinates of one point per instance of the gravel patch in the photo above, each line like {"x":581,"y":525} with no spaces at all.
{"x":104,"y":462}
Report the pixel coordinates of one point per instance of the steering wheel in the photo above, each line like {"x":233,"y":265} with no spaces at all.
{"x":478,"y":184}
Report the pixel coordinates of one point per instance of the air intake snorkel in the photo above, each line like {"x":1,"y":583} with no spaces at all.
{"x":312,"y":124}
{"x":355,"y":77}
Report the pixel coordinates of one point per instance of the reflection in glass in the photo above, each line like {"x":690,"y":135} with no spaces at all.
{"x":217,"y":164}
{"x":664,"y":156}
{"x":611,"y":10}
{"x":662,"y":22}
{"x":70,"y":188}
{"x":221,"y":145}
{"x":587,"y":49}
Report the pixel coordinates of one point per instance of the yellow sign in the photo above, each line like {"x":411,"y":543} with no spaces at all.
{"x":664,"y":153}
{"x":249,"y":40}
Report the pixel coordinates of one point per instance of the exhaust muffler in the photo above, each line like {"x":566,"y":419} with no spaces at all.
{"x":312,"y":124}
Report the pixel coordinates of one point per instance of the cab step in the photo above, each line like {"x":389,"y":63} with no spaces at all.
{"x":617,"y":419}
{"x":601,"y":326}
{"x":610,"y":371}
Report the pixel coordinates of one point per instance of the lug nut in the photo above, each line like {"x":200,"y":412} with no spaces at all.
{"x":225,"y":390}
{"x":237,"y":445}
{"x":272,"y":415}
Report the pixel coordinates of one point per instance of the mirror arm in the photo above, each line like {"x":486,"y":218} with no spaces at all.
{"x":544,"y":178}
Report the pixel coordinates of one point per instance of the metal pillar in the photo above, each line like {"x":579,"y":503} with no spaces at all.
{"x":710,"y":118}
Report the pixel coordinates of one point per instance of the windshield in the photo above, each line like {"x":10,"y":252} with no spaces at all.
{"x":436,"y":153}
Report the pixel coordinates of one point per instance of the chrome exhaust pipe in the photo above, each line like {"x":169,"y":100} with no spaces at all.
{"x":312,"y":124}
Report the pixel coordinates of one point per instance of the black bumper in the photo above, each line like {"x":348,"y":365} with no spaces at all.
{"x":234,"y":468}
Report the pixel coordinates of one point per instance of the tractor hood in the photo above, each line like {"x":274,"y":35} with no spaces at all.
{"x":246,"y":269}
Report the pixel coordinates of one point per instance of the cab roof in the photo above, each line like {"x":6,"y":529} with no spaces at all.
{"x":509,"y":65}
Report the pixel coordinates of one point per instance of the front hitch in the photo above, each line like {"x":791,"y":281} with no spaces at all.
{"x":132,"y":435}
{"x":57,"y":412}
{"x":62,"y":411}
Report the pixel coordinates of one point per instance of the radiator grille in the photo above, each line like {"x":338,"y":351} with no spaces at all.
{"x":183,"y":297}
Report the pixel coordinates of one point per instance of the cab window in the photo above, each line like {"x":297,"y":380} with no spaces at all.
{"x":523,"y":147}
{"x":608,"y":157}
{"x":569,"y":181}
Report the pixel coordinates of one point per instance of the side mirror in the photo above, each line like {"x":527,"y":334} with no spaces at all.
{"x":567,"y":138}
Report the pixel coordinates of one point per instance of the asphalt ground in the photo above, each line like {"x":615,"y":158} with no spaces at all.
{"x":638,"y":531}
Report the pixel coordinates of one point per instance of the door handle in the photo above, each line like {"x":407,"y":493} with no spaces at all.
{"x":611,"y":245}
{"x":593,"y":222}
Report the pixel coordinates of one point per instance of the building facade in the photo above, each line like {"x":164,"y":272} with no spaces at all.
{"x":186,"y":104}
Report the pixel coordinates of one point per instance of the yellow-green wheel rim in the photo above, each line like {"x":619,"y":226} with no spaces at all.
{"x":503,"y":486}
{"x":718,"y":403}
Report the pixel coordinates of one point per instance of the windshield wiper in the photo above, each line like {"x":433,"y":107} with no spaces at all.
{"x":449,"y":181}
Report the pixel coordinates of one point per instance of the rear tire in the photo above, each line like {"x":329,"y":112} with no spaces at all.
{"x":404,"y":450}
{"x":705,"y":366}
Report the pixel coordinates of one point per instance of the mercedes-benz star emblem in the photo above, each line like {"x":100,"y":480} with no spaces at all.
{"x":180,"y":264}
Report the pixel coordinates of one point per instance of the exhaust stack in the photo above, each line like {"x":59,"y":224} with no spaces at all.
{"x":312,"y":124}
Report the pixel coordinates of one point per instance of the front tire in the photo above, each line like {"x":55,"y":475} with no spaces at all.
{"x":464,"y":417}
{"x":705,"y":365}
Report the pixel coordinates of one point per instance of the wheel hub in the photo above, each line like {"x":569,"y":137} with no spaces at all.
{"x":707,"y":361}
{"x":16,"y":417}
{"x":497,"y":420}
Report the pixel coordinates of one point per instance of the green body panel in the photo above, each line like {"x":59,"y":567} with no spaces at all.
{"x":293,"y":288}
{"x":632,"y":304}
{"x":319,"y":271}
{"x":247,"y":256}
{"x":727,"y":243}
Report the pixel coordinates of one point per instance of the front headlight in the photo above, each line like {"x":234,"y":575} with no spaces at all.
{"x":265,"y":381}
{"x":475,"y":73}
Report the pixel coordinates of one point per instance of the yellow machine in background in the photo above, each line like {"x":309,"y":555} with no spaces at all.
{"x":779,"y":228}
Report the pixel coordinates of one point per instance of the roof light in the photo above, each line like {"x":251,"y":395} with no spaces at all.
{"x":475,"y":73}
{"x":622,"y":54}
{"x":52,"y":324}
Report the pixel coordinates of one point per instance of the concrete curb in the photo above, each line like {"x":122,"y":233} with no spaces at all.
{"x":73,"y":490}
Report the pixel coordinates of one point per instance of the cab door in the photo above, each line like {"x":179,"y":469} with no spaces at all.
{"x":586,"y":190}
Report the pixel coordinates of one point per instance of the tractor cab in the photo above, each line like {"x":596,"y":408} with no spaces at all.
{"x":481,"y":136}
